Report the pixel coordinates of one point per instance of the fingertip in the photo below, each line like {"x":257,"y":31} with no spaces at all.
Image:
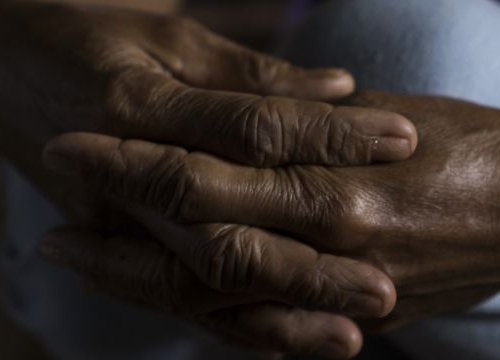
{"x":374,"y":294}
{"x":340,"y":83}
{"x":381,"y":288}
{"x":405,"y":129}
{"x":388,"y":296}
{"x":354,"y":342}
{"x":378,"y":136}
{"x":325,"y":85}
{"x":394,"y":138}
{"x":344,"y":339}
{"x":332,"y":84}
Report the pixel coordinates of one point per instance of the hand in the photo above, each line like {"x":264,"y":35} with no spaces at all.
{"x":67,"y":69}
{"x":430,"y":223}
{"x":247,"y":303}
{"x":161,"y":78}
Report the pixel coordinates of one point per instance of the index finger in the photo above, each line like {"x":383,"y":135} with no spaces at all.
{"x":144,"y":274}
{"x":251,"y":129}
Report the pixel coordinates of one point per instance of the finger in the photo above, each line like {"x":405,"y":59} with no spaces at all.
{"x":112,"y":264}
{"x":289,"y":330}
{"x":125,"y":173}
{"x":138,"y":271}
{"x":122,"y":172}
{"x":260,"y":131}
{"x":243,"y":259}
{"x":309,"y":202}
{"x":416,"y":307}
{"x":144,"y":272}
{"x":211,"y":61}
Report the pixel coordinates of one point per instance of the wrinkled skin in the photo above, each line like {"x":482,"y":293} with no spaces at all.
{"x":431,"y":223}
{"x":250,"y":305}
{"x":170,"y":80}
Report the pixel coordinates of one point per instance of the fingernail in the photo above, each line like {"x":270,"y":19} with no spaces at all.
{"x":333,"y":350}
{"x":390,"y":149}
{"x":388,"y":136}
{"x":364,"y":305}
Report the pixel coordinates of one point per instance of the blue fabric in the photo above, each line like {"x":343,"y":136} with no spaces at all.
{"x":446,"y":47}
{"x":442,"y":47}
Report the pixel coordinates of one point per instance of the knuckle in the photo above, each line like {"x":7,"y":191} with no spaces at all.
{"x":319,"y":288}
{"x":227,"y":261}
{"x":344,"y":148}
{"x":321,"y":202}
{"x":253,"y":67}
{"x":124,"y":103}
{"x":134,"y":98}
{"x":262,"y":70}
{"x":160,"y":184}
{"x":345,"y":213}
{"x":177,"y":189}
{"x":172,"y":32}
{"x":118,"y":100}
{"x":109,"y":54}
{"x":263,"y":133}
{"x":103,"y":174}
{"x":361,"y":220}
{"x":346,"y":144}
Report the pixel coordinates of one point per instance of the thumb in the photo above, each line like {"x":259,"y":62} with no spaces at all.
{"x":213,"y":62}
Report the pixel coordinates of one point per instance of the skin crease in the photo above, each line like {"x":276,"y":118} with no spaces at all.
{"x":167,"y":79}
{"x":430,"y":223}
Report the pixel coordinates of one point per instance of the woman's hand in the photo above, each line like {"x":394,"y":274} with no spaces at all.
{"x":168,"y":79}
{"x":251,"y":288}
{"x":430,"y":223}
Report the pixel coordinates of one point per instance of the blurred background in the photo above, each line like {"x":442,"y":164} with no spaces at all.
{"x":253,"y":22}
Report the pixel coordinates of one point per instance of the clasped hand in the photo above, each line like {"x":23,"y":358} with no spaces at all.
{"x":305,"y":239}
{"x":259,"y":238}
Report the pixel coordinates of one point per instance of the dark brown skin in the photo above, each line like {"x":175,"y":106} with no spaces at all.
{"x":431,"y":223}
{"x":167,"y":79}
